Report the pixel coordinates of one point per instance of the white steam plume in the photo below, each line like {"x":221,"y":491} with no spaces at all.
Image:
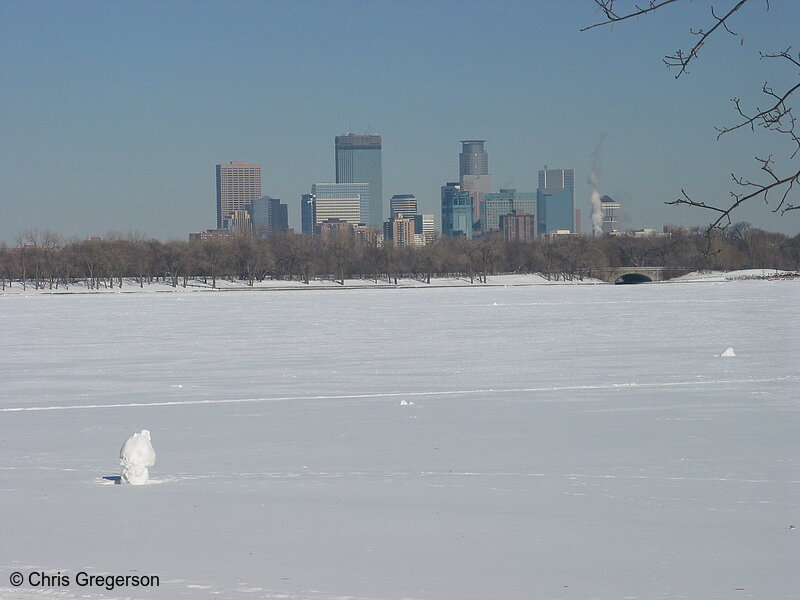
{"x":597,"y":206}
{"x":594,"y":180}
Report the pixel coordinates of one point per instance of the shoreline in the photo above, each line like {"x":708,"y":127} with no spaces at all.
{"x":131,"y":286}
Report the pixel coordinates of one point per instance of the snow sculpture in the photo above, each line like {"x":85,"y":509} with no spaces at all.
{"x":135,"y":456}
{"x":728,"y":353}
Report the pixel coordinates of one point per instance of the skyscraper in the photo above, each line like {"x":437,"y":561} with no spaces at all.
{"x":424,"y":230}
{"x":473,"y":170}
{"x":238,"y":184}
{"x":327,"y":201}
{"x":278,"y":216}
{"x":308,"y":217}
{"x":399,"y":231}
{"x":402,"y":204}
{"x":358,"y":160}
{"x":268,"y":216}
{"x":555,"y":200}
{"x":456,"y":211}
{"x":502,"y":203}
{"x":610,"y":209}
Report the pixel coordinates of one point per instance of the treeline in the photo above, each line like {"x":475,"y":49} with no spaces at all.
{"x":44,"y":260}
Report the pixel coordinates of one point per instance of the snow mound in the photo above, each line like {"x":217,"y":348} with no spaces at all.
{"x":728,"y":353}
{"x":741,"y":274}
{"x":135,"y":456}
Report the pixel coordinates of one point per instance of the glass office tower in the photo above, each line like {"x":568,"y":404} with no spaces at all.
{"x":358,"y":160}
{"x":456,"y":211}
{"x":503,"y":203}
{"x":268,"y":216}
{"x":555,"y":200}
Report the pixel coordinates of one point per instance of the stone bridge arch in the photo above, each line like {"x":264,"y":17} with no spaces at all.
{"x":633,"y":278}
{"x":636,"y":274}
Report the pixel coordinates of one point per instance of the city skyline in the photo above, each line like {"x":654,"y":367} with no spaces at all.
{"x":111,"y":119}
{"x":351,"y":198}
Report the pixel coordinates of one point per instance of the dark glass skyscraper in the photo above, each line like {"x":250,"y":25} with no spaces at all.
{"x":456,"y":211}
{"x":308,"y":213}
{"x":358,"y":160}
{"x":268,"y":216}
{"x":555,"y":200}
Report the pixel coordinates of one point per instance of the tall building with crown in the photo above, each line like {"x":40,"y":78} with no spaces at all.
{"x":358,"y":160}
{"x":473,"y":170}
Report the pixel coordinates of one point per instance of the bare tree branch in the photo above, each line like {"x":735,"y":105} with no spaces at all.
{"x":724,"y":218}
{"x":607,"y":6}
{"x":777,"y":117}
{"x":770,"y":118}
{"x":785,"y":54}
{"x":682,"y":59}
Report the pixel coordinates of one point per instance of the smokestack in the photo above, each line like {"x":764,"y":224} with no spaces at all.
{"x":594,"y":181}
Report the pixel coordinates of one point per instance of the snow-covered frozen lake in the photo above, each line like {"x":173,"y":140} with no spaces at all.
{"x":564,"y":442}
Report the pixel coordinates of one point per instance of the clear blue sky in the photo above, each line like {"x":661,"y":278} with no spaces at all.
{"x":114,"y":113}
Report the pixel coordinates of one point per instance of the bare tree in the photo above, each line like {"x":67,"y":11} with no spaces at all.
{"x":464,"y":254}
{"x":37,"y":251}
{"x":774,"y":188}
{"x":5,"y":265}
{"x":106,"y":263}
{"x":308,"y":251}
{"x":210,"y":257}
{"x":389,"y":261}
{"x":292,"y":255}
{"x":91,"y":258}
{"x":174,"y":261}
{"x":140,"y":258}
{"x":429,"y":260}
{"x":246,"y":249}
{"x":118,"y":258}
{"x":341,"y":250}
{"x":373,"y":260}
{"x":790,"y":248}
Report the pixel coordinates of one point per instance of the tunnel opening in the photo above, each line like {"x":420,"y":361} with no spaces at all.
{"x":632,"y":278}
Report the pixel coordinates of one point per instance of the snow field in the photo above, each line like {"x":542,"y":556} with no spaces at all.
{"x":564,"y":442}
